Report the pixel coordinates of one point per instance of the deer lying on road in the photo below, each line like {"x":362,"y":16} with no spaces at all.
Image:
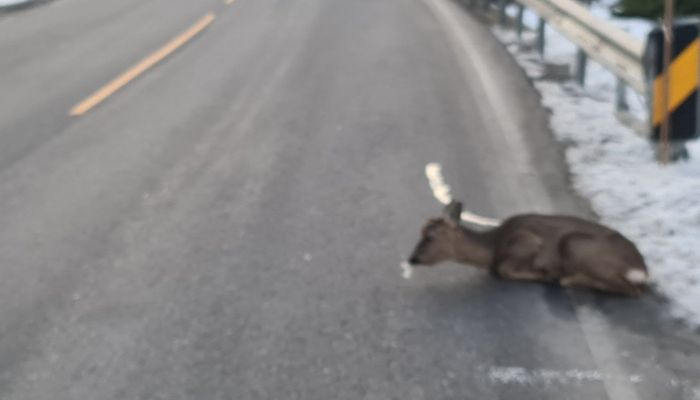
{"x":557,"y":249}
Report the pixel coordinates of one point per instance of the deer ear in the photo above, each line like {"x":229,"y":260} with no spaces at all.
{"x":453,"y":211}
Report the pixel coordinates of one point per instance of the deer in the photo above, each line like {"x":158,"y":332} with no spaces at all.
{"x":556,"y":249}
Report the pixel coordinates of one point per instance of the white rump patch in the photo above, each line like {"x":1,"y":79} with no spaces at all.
{"x":406,"y":270}
{"x":637,"y":276}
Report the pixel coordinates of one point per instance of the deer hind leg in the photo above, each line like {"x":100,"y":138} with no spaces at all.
{"x":580,"y":280}
{"x":588,"y":266}
{"x":610,"y":285}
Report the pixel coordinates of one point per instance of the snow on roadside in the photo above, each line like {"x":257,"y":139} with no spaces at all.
{"x":657,"y":207}
{"x":5,"y":3}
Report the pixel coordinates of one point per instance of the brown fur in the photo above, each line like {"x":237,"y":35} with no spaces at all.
{"x":547,"y":248}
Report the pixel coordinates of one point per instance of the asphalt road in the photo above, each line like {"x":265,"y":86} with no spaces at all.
{"x":229,"y":224}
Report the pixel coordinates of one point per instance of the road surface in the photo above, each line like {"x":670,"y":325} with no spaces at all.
{"x":227,"y":220}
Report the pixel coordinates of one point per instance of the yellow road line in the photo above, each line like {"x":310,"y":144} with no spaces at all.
{"x":132,"y":73}
{"x":684,"y":81}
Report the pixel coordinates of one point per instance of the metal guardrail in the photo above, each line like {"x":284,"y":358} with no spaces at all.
{"x":630,"y":59}
{"x":612,"y":47}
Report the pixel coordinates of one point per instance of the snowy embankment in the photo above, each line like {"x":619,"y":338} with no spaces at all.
{"x":7,"y":3}
{"x":657,"y":207}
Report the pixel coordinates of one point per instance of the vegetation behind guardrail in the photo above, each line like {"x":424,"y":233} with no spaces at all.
{"x":654,"y":9}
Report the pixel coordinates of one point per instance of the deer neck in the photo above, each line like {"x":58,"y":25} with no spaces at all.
{"x":475,"y":248}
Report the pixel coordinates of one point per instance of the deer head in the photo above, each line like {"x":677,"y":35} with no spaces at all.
{"x":440,"y":238}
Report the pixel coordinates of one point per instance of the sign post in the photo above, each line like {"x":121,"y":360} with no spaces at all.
{"x":665,"y":92}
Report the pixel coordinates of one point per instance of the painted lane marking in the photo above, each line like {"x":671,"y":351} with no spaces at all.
{"x":523,"y":376}
{"x":441,"y":191}
{"x":229,"y":2}
{"x":147,"y":63}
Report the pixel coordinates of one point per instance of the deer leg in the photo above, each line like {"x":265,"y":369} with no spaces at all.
{"x":587,"y":266}
{"x":548,"y":265}
{"x":521,"y":270}
{"x":515,"y":258}
{"x":577,"y":280}
{"x":609,"y":285}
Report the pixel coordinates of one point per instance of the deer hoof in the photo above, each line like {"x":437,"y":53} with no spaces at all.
{"x":567,"y":282}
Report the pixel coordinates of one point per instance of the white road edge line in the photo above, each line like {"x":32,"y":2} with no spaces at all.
{"x":441,"y":191}
{"x":528,"y":377}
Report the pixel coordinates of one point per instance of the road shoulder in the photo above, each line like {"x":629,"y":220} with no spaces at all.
{"x":625,"y":337}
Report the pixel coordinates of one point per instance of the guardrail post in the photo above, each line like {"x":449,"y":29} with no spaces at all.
{"x":581,"y":61}
{"x":540,"y":36}
{"x":581,"y":57}
{"x":519,"y":26}
{"x":502,"y":12}
{"x":621,"y":96}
